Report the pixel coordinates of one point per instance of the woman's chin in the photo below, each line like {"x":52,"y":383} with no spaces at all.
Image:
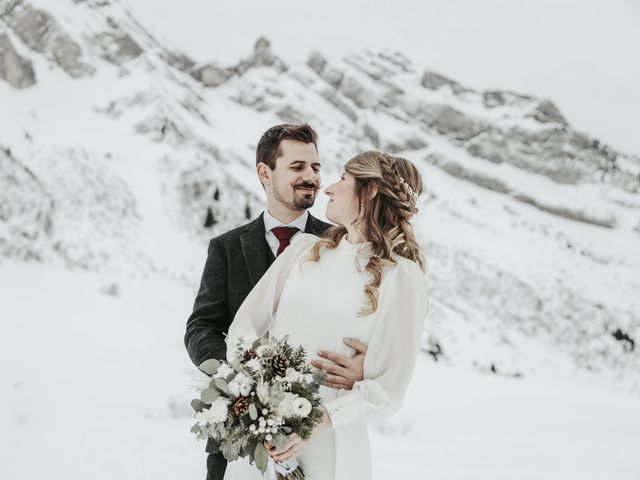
{"x":330,"y":217}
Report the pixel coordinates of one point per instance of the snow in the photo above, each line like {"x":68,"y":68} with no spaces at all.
{"x":99,"y":387}
{"x":96,"y":377}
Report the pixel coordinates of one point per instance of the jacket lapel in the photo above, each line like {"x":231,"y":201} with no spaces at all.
{"x":255,"y":250}
{"x":314,"y":226}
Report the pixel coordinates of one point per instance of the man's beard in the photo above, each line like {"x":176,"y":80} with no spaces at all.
{"x":300,"y":201}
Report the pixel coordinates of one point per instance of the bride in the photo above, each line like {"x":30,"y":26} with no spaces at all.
{"x":365,"y":280}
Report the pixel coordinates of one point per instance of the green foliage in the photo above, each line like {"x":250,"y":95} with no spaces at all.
{"x":199,"y":405}
{"x":209,"y":395}
{"x":222,"y":385}
{"x":261,"y":457}
{"x":209,"y":366}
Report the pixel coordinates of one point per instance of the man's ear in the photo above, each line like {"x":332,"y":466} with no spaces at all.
{"x":264,"y":173}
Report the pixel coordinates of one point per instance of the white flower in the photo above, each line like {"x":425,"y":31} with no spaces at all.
{"x":293,"y":375}
{"x":234,"y":388}
{"x":301,"y":407}
{"x":214,"y":414}
{"x":308,"y":378}
{"x":245,"y":389}
{"x":268,"y":438}
{"x":223,"y":371}
{"x":255,"y":365}
{"x":241,"y":378}
{"x":240,"y":385}
{"x":285,"y":407}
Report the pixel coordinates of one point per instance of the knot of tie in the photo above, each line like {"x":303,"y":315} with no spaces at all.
{"x":284,"y":234}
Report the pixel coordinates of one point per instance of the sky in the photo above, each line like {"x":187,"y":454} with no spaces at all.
{"x":580,"y":54}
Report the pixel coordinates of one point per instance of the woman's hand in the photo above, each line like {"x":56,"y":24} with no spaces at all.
{"x":295,"y":444}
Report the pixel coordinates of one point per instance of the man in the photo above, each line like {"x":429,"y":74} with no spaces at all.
{"x":288,"y":167}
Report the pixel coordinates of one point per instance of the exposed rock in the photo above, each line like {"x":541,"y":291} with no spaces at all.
{"x":434,"y":81}
{"x":15,"y":69}
{"x":546,"y":112}
{"x":262,"y":57}
{"x":212,"y":75}
{"x":288,"y":114}
{"x":563,"y":155}
{"x":25,"y":208}
{"x":477,"y":178}
{"x":357,"y":93}
{"x":317,"y":62}
{"x":499,"y":98}
{"x":495,"y":151}
{"x":40,"y":32}
{"x":371,"y":134}
{"x":333,"y":76}
{"x":332,"y":97}
{"x":412,"y":142}
{"x":178,"y":60}
{"x":117,"y":46}
{"x":571,"y":214}
{"x":446,"y":120}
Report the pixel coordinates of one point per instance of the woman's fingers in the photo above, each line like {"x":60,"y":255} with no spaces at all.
{"x":287,"y":449}
{"x":335,"y":381}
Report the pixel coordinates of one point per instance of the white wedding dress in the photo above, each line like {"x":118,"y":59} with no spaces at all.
{"x":316,"y":304}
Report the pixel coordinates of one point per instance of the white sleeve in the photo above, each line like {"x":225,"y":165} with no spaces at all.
{"x":392,"y":352}
{"x":254,"y":316}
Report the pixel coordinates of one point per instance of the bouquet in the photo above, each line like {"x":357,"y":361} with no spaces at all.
{"x":268,"y":392}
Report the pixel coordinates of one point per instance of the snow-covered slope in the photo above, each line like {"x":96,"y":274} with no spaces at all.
{"x":115,"y":148}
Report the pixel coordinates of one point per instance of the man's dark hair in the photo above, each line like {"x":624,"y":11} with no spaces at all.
{"x":269,"y":150}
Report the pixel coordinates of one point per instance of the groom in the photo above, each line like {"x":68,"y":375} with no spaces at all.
{"x":288,"y":167}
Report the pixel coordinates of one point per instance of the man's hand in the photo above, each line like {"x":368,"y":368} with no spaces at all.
{"x":343,"y":371}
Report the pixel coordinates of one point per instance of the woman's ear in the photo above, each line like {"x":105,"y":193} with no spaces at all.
{"x":371,"y":194}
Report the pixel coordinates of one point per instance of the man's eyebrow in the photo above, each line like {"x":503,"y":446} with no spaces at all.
{"x":302,"y":161}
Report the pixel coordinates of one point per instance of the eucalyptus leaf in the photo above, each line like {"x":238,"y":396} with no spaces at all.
{"x":209,"y":395}
{"x":209,"y":366}
{"x":261,"y":457}
{"x":195,"y":428}
{"x":222,"y":384}
{"x":198,"y":405}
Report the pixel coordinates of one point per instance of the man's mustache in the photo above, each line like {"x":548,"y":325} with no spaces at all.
{"x":308,"y":185}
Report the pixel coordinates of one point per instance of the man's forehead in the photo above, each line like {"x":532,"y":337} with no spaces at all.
{"x":299,"y":152}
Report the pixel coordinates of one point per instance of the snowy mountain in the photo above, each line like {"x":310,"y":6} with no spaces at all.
{"x":122,"y":156}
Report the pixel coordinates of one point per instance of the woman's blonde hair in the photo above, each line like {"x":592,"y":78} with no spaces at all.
{"x":384,"y":220}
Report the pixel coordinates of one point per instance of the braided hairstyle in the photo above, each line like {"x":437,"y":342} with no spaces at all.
{"x":384,"y":220}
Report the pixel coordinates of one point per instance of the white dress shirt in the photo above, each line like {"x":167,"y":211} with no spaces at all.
{"x":270,"y":222}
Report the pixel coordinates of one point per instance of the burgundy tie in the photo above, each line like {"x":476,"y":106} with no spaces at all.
{"x":284,"y":234}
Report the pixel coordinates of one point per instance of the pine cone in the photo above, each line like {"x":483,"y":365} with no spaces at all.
{"x":280,"y":363}
{"x":241,"y":406}
{"x":249,"y":354}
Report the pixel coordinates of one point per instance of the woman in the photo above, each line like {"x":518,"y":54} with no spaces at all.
{"x":364,"y":279}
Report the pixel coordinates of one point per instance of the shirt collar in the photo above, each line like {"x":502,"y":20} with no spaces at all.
{"x":300,"y":223}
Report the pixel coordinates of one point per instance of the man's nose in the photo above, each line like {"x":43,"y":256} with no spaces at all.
{"x":311,"y":175}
